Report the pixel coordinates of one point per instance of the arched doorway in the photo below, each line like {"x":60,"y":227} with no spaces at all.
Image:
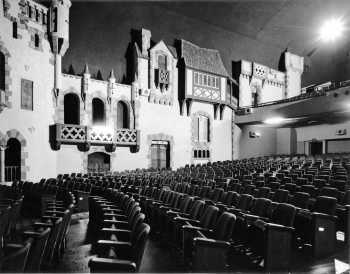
{"x":13,"y":160}
{"x":99,"y":162}
{"x":98,"y":112}
{"x":71,"y":109}
{"x":122,"y":115}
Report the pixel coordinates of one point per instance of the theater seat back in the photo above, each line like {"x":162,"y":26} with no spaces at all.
{"x":326,"y":205}
{"x":224,"y":226}
{"x":245,"y":202}
{"x":196,"y":209}
{"x":139,"y":243}
{"x":284,"y":214}
{"x":261,"y":207}
{"x":208,"y":219}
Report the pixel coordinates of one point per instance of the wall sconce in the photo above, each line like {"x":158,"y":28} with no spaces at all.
{"x":253,"y":134}
{"x":341,"y":132}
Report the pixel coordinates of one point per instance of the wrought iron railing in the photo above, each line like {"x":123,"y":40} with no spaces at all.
{"x":12,"y":173}
{"x":78,"y":134}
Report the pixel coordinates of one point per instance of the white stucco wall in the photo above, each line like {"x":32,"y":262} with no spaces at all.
{"x":31,"y":64}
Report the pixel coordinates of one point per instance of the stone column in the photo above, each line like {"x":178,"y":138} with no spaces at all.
{"x":2,"y":164}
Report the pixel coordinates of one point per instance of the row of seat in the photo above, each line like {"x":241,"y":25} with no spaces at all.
{"x":122,"y":232}
{"x":204,"y":232}
{"x":37,"y":244}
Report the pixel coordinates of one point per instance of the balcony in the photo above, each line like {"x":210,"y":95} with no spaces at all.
{"x":85,"y":136}
{"x":162,"y":78}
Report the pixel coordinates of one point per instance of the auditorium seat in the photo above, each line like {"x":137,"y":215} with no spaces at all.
{"x":318,"y":226}
{"x":36,"y":253}
{"x":270,"y":242}
{"x":15,"y":257}
{"x":206,"y":222}
{"x":121,"y":256}
{"x":210,"y":247}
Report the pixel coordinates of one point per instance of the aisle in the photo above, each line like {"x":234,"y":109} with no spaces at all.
{"x":158,"y":256}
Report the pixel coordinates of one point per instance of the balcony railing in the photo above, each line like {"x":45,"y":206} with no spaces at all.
{"x":315,"y":92}
{"x":85,"y":135}
{"x":12,"y":173}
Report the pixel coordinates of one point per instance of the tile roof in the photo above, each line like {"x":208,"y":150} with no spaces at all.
{"x":208,"y":60}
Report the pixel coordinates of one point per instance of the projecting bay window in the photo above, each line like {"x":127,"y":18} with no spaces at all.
{"x":206,"y":80}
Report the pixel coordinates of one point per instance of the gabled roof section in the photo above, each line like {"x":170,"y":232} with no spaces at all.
{"x":138,"y":51}
{"x":208,"y":60}
{"x":171,"y":49}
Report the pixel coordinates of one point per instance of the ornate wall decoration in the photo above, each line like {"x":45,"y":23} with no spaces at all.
{"x":207,"y":93}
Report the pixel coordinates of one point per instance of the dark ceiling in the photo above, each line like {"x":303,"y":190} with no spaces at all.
{"x":253,"y":30}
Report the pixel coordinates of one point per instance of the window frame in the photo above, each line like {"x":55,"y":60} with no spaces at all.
{"x":206,"y":80}
{"x":23,"y":105}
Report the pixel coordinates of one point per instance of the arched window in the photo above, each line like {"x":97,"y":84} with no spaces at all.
{"x":98,"y":112}
{"x":71,"y":109}
{"x":13,"y":160}
{"x":36,"y":40}
{"x":2,"y":71}
{"x":202,"y":129}
{"x":122,"y":115}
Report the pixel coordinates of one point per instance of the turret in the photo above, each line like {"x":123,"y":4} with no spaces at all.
{"x":59,"y":37}
{"x":85,"y":83}
{"x":111,"y":86}
{"x":59,"y":26}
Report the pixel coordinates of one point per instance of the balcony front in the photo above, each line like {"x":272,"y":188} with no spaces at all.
{"x":86,"y":136}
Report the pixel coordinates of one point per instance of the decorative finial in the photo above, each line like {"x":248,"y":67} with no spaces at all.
{"x":86,"y":69}
{"x":111,"y":74}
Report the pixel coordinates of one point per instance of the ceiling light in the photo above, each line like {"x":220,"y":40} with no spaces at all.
{"x":332,"y":30}
{"x":274,"y":120}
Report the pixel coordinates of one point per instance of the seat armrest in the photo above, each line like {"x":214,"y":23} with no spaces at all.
{"x":122,"y":234}
{"x":324,"y":216}
{"x":31,"y":234}
{"x":260,"y":224}
{"x":182,"y":219}
{"x":205,"y":242}
{"x":111,"y":265}
{"x":272,"y":226}
{"x":196,"y":228}
{"x":41,"y":224}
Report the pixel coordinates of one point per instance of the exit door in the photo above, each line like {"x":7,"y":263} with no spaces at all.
{"x":160,"y":154}
{"x":316,"y":147}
